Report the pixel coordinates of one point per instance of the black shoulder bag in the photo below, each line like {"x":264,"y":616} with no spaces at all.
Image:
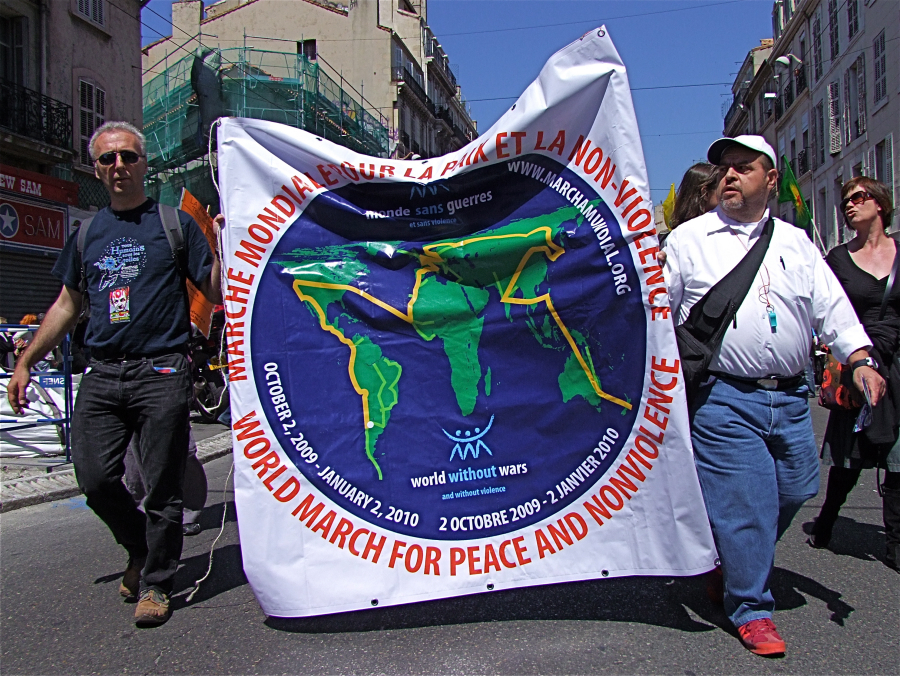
{"x":702,"y":332}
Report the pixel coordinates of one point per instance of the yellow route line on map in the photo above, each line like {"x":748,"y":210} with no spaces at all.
{"x":430,"y":259}
{"x":361,"y":391}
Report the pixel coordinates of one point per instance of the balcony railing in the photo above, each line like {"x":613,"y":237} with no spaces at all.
{"x":443,"y":67}
{"x":803,"y":161}
{"x":801,"y":79}
{"x":736,"y":107}
{"x":443,"y":113}
{"x":788,"y":94}
{"x":29,"y":113}
{"x":403,"y":75}
{"x":440,"y":61}
{"x":460,"y":135}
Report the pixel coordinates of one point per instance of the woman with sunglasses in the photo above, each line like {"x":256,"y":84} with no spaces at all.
{"x":863,"y":266}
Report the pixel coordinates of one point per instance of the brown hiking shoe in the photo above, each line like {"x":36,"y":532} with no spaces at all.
{"x":131,"y":580}
{"x":152,"y":609}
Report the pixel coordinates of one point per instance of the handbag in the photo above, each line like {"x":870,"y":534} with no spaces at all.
{"x":838,"y":393}
{"x":700,"y":335}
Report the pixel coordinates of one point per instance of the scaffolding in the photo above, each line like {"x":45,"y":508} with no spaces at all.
{"x":281,"y":87}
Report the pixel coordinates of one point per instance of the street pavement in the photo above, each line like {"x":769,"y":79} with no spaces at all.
{"x":839,"y":611}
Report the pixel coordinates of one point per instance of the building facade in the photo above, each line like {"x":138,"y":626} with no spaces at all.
{"x":828,"y":99}
{"x":66,"y":66}
{"x":380,"y":52}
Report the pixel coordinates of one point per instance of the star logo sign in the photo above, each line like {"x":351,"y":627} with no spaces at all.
{"x":9,"y":221}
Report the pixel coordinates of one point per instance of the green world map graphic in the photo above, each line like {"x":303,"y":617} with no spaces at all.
{"x":454,"y":282}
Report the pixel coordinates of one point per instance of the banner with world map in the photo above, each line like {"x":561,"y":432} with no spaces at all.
{"x":456,"y":374}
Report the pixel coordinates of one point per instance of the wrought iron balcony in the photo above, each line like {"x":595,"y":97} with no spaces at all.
{"x":736,"y":107}
{"x":460,"y":135}
{"x":788,"y":94}
{"x":803,"y":161}
{"x":443,"y":113}
{"x":800,"y":74}
{"x":403,"y":75}
{"x":29,"y":113}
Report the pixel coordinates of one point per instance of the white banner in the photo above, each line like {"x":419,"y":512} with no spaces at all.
{"x":457,"y":374}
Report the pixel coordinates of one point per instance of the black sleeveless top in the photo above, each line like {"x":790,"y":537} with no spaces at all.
{"x":864,"y":291}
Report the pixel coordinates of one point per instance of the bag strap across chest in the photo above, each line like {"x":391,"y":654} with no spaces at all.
{"x":890,"y":283}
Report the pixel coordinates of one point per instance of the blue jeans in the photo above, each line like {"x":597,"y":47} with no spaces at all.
{"x":756,"y":459}
{"x":117,"y":400}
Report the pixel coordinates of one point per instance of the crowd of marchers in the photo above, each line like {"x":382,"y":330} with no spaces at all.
{"x":748,"y":386}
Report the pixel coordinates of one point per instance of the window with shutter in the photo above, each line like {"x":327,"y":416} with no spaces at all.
{"x":861,"y":92}
{"x":834,"y":115}
{"x":888,"y":178}
{"x":833,"y":34}
{"x":814,"y":140}
{"x":93,"y":10}
{"x":871,"y":169}
{"x":846,"y":112}
{"x":880,"y":91}
{"x":817,"y":47}
{"x":852,"y":17}
{"x":92,"y":105}
{"x":820,"y":138}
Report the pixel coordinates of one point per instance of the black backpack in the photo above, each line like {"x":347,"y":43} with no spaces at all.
{"x":702,"y":332}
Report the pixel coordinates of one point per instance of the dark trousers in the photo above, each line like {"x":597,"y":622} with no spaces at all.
{"x":117,"y":400}
{"x":195,"y":485}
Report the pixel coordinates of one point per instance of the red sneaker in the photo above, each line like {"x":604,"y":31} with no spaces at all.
{"x":761,"y":637}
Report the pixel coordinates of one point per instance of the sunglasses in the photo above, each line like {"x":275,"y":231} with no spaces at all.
{"x":109,"y":159}
{"x":856,"y":198}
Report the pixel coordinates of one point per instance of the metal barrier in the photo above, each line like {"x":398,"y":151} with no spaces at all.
{"x":47,"y":379}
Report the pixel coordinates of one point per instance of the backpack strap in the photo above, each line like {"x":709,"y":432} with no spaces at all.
{"x":175,"y":235}
{"x":890,"y":283}
{"x":79,"y":245}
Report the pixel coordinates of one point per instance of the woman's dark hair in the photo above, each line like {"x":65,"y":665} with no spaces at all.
{"x":879,"y":192}
{"x":697,"y":185}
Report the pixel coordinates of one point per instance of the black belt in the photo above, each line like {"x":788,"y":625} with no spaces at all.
{"x":116,"y":355}
{"x":770,"y":383}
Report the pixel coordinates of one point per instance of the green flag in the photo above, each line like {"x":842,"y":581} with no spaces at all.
{"x":790,"y":192}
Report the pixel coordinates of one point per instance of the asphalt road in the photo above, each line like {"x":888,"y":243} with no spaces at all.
{"x":838,"y":610}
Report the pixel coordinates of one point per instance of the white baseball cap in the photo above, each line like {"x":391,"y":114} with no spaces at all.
{"x":757,"y":143}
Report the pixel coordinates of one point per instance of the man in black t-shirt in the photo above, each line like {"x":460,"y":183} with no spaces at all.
{"x":138,"y":380}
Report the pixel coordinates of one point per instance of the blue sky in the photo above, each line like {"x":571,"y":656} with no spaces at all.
{"x":701,"y":41}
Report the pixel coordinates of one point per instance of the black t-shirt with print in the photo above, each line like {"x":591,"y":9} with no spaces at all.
{"x":137,"y":296}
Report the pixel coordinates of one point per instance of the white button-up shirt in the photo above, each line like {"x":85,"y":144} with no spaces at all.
{"x":802,"y":290}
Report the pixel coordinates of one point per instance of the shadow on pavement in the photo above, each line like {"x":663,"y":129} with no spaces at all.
{"x":211,"y":516}
{"x":227,"y":574}
{"x":210,"y":520}
{"x":657,"y":601}
{"x":862,"y":541}
{"x":789,"y":587}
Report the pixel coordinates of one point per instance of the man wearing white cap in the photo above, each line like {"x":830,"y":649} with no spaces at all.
{"x":751,"y":430}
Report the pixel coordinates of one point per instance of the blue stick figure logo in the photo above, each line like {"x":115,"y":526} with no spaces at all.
{"x":9,"y":221}
{"x":467,"y":439}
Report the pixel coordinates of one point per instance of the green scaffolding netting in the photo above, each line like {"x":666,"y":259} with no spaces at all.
{"x":281,"y":87}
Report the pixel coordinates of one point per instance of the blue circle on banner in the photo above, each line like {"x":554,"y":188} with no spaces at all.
{"x":464,"y":382}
